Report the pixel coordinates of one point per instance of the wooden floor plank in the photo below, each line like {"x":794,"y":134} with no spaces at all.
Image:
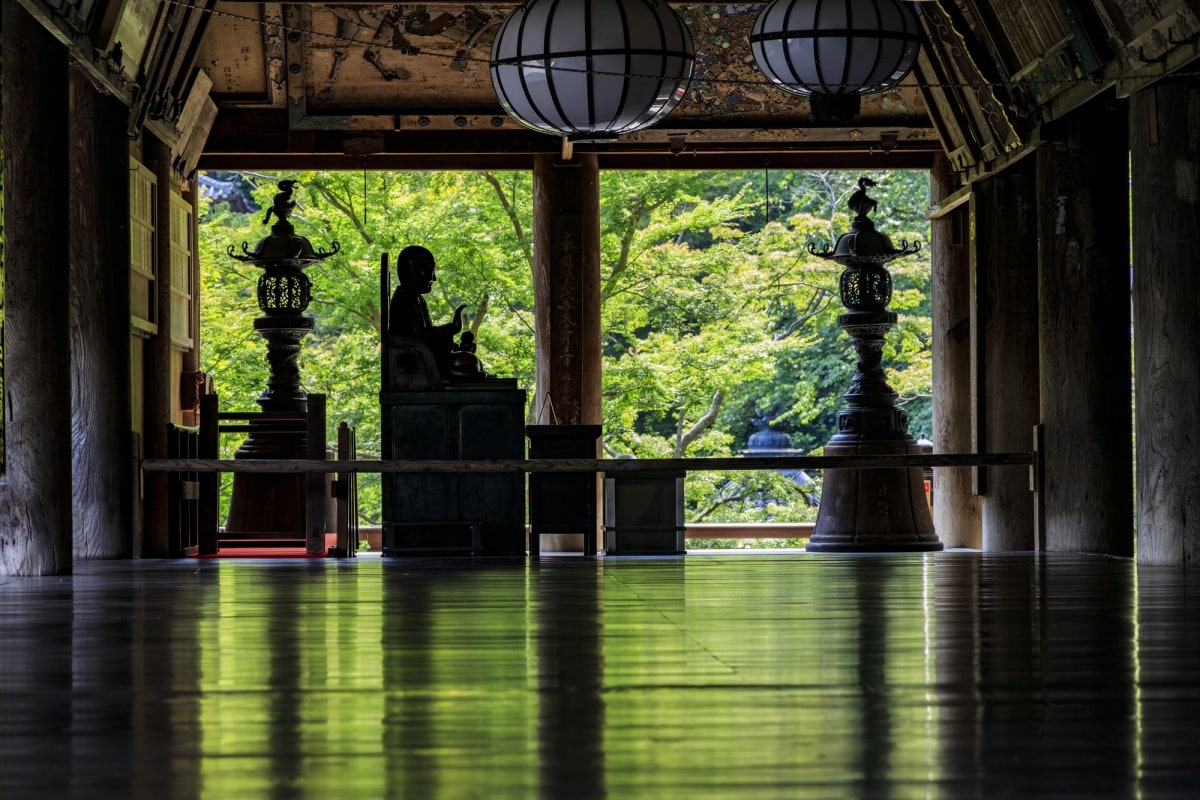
{"x":794,"y":675}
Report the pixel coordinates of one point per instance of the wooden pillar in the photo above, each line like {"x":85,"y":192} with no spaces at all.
{"x":35,"y":535}
{"x":157,"y":366}
{"x":1083,"y":234}
{"x":1164,"y":128}
{"x":955,"y":507}
{"x":1004,"y":228}
{"x":566,"y":285}
{"x":566,"y":282}
{"x":100,"y":418}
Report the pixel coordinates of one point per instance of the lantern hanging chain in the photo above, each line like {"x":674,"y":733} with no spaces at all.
{"x":715,"y":82}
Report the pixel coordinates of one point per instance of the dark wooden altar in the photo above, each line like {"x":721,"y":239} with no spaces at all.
{"x":454,"y":513}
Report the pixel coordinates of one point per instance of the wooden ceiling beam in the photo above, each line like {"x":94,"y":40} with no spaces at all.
{"x":514,"y":3}
{"x":438,"y":150}
{"x":800,"y":160}
{"x":97,"y":66}
{"x":262,"y":139}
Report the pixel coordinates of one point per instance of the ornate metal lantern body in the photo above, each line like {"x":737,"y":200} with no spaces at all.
{"x":833,"y":51}
{"x":591,"y":68}
{"x":284,"y":292}
{"x":870,"y":509}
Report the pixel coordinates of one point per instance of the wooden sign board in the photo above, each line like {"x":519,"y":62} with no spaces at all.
{"x":192,"y":143}
{"x":130,"y":23}
{"x":197,"y":94}
{"x":233,"y":55}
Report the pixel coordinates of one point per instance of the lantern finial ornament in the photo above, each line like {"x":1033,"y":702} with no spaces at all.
{"x":833,"y":51}
{"x":591,"y":69}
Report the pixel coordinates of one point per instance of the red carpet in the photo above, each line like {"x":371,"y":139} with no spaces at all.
{"x":265,"y":548}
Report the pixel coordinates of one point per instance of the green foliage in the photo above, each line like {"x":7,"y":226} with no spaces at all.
{"x":715,"y":317}
{"x":717,"y":321}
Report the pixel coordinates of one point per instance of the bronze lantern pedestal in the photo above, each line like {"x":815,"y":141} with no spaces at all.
{"x":877,"y":509}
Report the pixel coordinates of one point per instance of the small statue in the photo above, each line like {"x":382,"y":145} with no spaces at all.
{"x":408,"y":314}
{"x":463,"y":361}
{"x":859,"y":203}
{"x":282,"y":204}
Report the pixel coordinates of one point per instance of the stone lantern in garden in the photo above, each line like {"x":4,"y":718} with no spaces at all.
{"x":876,"y":509}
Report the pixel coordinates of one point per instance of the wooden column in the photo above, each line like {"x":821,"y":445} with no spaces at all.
{"x":35,"y":534}
{"x":566,"y":281}
{"x":100,"y":419}
{"x":1004,"y":228}
{"x":956,"y":515}
{"x":1164,"y":128}
{"x":1083,"y":231}
{"x":566,"y":285}
{"x":158,"y":361}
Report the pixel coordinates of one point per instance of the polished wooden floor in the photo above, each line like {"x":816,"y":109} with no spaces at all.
{"x":950,"y":675}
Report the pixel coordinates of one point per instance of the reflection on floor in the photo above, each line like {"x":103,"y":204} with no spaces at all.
{"x":743,"y":676}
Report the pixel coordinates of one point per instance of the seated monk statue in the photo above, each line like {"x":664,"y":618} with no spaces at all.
{"x":408,"y":314}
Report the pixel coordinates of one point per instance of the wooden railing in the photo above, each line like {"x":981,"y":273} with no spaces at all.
{"x":748,"y":530}
{"x":345,"y":492}
{"x":610,"y":466}
{"x":213,"y":423}
{"x":207,"y":468}
{"x":183,"y":495}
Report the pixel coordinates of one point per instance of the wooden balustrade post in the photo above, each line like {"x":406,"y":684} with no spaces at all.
{"x":210,"y":482}
{"x":315,"y":483}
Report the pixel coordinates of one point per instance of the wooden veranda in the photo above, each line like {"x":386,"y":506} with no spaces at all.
{"x":1049,"y":128}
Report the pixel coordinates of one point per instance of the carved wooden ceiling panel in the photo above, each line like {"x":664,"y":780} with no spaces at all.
{"x":353,"y":62}
{"x":246,"y":81}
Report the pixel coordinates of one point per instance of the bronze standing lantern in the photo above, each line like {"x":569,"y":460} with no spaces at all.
{"x":284,"y":292}
{"x":878,"y":509}
{"x":271,"y":504}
